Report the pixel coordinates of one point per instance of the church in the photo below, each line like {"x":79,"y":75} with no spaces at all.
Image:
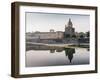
{"x":52,"y":36}
{"x":69,"y":30}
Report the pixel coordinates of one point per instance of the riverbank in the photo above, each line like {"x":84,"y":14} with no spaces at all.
{"x":71,"y":45}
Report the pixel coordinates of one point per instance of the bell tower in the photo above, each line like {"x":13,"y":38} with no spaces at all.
{"x":69,"y":30}
{"x":70,"y":23}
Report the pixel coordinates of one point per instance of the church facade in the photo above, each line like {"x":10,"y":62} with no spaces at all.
{"x":69,"y":30}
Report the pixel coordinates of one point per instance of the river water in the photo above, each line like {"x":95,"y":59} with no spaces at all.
{"x":38,"y":57}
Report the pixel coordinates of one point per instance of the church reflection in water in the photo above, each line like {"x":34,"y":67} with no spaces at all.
{"x":68,"y":51}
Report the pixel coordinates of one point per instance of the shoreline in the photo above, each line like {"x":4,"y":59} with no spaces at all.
{"x":71,"y":45}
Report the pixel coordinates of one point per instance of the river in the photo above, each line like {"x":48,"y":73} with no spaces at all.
{"x":38,"y":56}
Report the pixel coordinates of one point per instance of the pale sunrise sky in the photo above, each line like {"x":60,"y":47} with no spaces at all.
{"x":43,"y":22}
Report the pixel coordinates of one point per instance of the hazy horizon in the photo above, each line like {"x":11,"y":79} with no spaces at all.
{"x":43,"y":22}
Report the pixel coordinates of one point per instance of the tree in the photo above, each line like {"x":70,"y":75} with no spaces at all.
{"x":88,"y":34}
{"x":74,"y":36}
{"x":81,"y":36}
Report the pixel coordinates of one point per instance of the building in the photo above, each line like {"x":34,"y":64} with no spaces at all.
{"x":48,"y":35}
{"x":69,"y":30}
{"x":52,"y":36}
{"x":68,"y":36}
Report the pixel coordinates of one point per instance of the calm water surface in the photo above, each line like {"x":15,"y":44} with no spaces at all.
{"x":37,"y":57}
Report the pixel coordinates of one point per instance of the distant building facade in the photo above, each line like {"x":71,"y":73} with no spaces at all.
{"x":68,"y":36}
{"x":69,"y":30}
{"x":48,"y":35}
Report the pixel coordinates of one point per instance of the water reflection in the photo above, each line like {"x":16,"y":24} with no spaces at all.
{"x":68,"y":51}
{"x":38,"y":55}
{"x":52,"y":51}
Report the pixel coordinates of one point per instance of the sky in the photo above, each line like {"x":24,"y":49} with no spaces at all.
{"x":43,"y":22}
